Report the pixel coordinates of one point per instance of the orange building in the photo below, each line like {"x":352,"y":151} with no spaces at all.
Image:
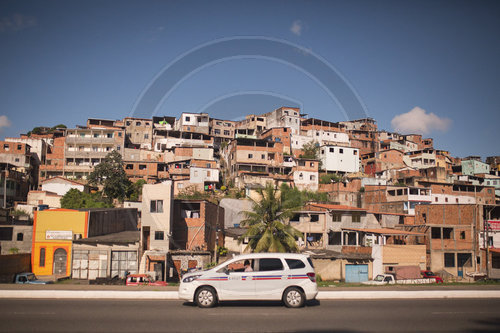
{"x":53,"y":234}
{"x":55,"y":229}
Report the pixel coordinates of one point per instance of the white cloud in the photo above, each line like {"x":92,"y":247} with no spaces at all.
{"x":4,"y":122}
{"x":296,"y":27}
{"x":16,"y":22}
{"x":418,"y":121}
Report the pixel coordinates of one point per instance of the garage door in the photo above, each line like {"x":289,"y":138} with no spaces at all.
{"x":356,"y":273}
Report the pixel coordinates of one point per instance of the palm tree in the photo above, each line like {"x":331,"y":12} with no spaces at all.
{"x":267,"y":231}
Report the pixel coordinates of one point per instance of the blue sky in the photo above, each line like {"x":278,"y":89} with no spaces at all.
{"x":432,"y":63}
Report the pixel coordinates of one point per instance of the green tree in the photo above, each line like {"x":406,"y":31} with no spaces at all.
{"x":293,"y":197}
{"x":111,"y":175}
{"x":74,"y":199}
{"x":135,"y":190}
{"x":310,"y":150}
{"x":267,"y":231}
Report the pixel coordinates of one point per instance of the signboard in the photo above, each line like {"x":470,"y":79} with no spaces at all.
{"x":494,"y":225}
{"x":58,"y":234}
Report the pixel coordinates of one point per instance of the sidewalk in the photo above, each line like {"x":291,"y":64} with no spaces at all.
{"x":170,"y":293}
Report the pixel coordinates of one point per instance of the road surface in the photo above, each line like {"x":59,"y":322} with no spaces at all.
{"x":350,"y":316}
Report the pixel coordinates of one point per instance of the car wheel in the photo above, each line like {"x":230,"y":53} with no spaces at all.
{"x":206,"y":297}
{"x":294,"y":298}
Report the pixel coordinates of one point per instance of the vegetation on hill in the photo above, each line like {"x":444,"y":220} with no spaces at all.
{"x":267,"y":231}
{"x":110,"y":174}
{"x":75,"y":199}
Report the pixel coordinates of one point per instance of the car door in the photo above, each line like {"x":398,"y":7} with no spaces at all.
{"x":240,"y":284}
{"x":271,"y":278}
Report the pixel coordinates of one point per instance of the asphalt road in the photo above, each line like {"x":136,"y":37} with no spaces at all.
{"x":458,"y":315}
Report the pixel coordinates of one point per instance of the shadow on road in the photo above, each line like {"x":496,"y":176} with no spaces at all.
{"x":491,"y":325}
{"x":311,"y":303}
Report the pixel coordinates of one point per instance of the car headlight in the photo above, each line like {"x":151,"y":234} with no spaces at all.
{"x":190,"y":278}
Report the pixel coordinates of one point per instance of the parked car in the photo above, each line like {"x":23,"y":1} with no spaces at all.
{"x":430,"y":274}
{"x":28,"y":278}
{"x":258,"y":276}
{"x":143,"y":280}
{"x":383,"y":279}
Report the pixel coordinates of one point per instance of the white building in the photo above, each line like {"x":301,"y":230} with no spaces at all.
{"x":198,"y":175}
{"x":60,"y":185}
{"x":156,"y":219}
{"x":339,"y":159}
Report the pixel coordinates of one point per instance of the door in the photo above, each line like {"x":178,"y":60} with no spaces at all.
{"x":356,"y":273}
{"x":158,"y":267}
{"x":270,"y":279}
{"x":236,"y":283}
{"x":60,"y":262}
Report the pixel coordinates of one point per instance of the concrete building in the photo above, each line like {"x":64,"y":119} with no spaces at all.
{"x":60,"y":185}
{"x":193,"y":122}
{"x":156,"y":227}
{"x":451,"y":237}
{"x":396,"y":199}
{"x":305,"y":174}
{"x":284,"y":117}
{"x":87,"y":147}
{"x":473,"y":167}
{"x":55,"y":229}
{"x":138,"y":132}
{"x":339,"y":159}
{"x":15,"y":237}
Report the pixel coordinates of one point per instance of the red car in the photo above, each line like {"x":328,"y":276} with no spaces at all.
{"x":143,"y":280}
{"x":430,"y":274}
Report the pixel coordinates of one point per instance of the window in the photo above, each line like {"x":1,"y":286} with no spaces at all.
{"x":314,"y":218}
{"x":146,"y":136}
{"x":462,"y":234}
{"x":311,"y":164}
{"x":119,"y":134}
{"x":226,"y":132}
{"x":464,"y":260}
{"x":355,"y":152}
{"x":187,"y":118}
{"x":17,"y":159}
{"x":142,"y":166}
{"x":341,"y":151}
{"x":270,"y":264}
{"x":156,"y":206}
{"x":447,"y":233}
{"x":250,"y":155}
{"x":208,"y":173}
{"x":295,"y":263}
{"x":41,"y":262}
{"x":356,"y":217}
{"x":20,"y":236}
{"x":109,"y":135}
{"x":138,"y":123}
{"x":332,"y":150}
{"x":449,"y":260}
{"x":263,"y":156}
{"x":129,"y":167}
{"x":312,"y":177}
{"x":19,"y":147}
{"x":495,"y":260}
{"x":435,"y":233}
{"x":336,"y":217}
{"x":159,"y":235}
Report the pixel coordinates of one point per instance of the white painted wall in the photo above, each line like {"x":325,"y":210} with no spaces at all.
{"x":154,"y":220}
{"x":60,"y":187}
{"x":336,"y":158}
{"x":202,"y":175}
{"x":308,"y":181}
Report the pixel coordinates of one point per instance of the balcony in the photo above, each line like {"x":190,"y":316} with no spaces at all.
{"x":89,"y":140}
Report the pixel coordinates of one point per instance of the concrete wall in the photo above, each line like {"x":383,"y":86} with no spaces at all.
{"x":23,"y":246}
{"x":334,"y":269}
{"x":154,"y":220}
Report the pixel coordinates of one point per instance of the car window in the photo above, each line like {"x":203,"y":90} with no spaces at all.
{"x":243,"y":265}
{"x":295,"y":263}
{"x":270,"y":264}
{"x":310,"y":262}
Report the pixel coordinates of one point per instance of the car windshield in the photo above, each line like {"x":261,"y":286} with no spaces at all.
{"x":379,"y":278}
{"x":31,"y":277}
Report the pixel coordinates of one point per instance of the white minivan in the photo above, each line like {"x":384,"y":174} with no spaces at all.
{"x":288,"y":277}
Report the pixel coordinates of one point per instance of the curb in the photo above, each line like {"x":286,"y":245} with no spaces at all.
{"x":173,"y":295}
